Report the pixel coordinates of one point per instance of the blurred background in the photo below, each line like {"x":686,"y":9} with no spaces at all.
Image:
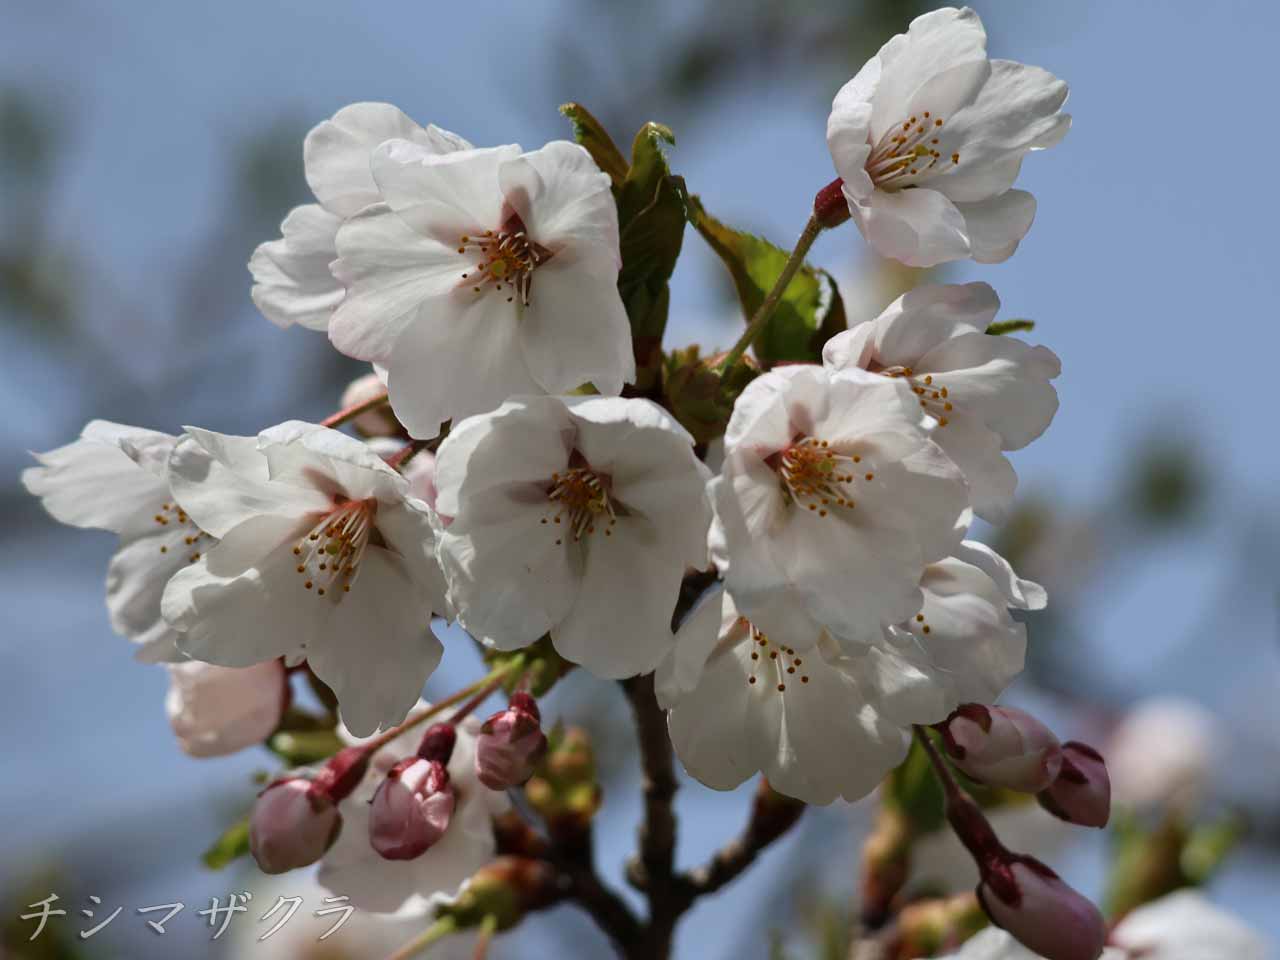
{"x":146,"y":148}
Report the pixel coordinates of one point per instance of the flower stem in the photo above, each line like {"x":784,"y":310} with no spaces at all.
{"x":482,"y":687}
{"x":966,"y":819}
{"x":437,"y":931}
{"x":347,"y":414}
{"x":766,"y":308}
{"x":488,"y":927}
{"x":406,"y":453}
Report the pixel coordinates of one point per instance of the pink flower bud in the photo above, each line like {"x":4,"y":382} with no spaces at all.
{"x":1082,"y":792}
{"x":1002,"y":747}
{"x":1045,"y":915}
{"x":411,"y":809}
{"x":292,"y":825}
{"x":218,"y":710}
{"x":438,"y":743}
{"x":510,"y":745}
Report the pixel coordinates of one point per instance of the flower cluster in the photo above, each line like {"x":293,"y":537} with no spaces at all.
{"x":541,"y":491}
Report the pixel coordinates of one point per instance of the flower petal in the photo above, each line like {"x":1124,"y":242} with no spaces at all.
{"x":307,"y":455}
{"x":976,"y":451}
{"x":136,"y":578}
{"x":336,"y":152}
{"x":996,"y":226}
{"x":291,"y":278}
{"x":920,"y":227}
{"x":565,"y":202}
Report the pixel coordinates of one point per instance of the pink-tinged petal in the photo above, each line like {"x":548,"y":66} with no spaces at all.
{"x":575,"y":329}
{"x":394,"y":279}
{"x":215,"y":711}
{"x":565,"y":202}
{"x":222,"y":481}
{"x":292,"y":282}
{"x":375,"y":648}
{"x":442,"y":196}
{"x":920,"y":227}
{"x":337,"y":151}
{"x":620,"y":623}
{"x":308,"y":455}
{"x":996,"y":226}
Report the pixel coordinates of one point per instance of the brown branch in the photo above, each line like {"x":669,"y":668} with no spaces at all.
{"x":654,"y":872}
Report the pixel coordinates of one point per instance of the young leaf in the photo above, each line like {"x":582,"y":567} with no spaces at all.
{"x":233,"y":844}
{"x":1001,"y":327}
{"x":810,"y":311}
{"x":588,"y":132}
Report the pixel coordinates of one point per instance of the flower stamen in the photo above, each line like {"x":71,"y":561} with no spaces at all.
{"x":507,"y":257}
{"x":906,"y":151}
{"x":934,"y":398}
{"x":328,"y":556}
{"x":582,"y":496}
{"x":814,"y":475}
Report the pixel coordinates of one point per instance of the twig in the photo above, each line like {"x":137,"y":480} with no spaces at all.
{"x":347,"y":414}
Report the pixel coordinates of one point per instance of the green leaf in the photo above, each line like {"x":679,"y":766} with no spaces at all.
{"x":810,"y":311}
{"x":1001,"y":327}
{"x":1208,"y":846}
{"x":913,"y":789}
{"x":651,"y":221}
{"x":233,"y":844}
{"x":300,"y":747}
{"x":588,"y":132}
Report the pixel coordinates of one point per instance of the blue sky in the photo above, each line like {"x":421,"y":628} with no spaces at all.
{"x":1149,"y":270}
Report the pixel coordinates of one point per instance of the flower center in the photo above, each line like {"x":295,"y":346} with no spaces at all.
{"x":933,"y":396}
{"x":907,"y":152}
{"x":171,"y":513}
{"x":507,"y":260}
{"x":814,"y":475}
{"x":329,"y":555}
{"x":770,"y":669}
{"x":582,"y":501}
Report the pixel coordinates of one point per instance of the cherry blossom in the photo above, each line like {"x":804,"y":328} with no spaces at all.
{"x":114,"y":478}
{"x":413,"y":887}
{"x":816,"y":720}
{"x":324,"y":555}
{"x":576,"y":517}
{"x":929,"y":138}
{"x":218,"y":710}
{"x":292,"y":282}
{"x":982,"y":393}
{"x":488,"y":274}
{"x":831,"y":501}
{"x":996,"y":944}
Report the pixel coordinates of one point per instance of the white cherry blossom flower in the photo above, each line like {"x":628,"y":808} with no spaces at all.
{"x":995,"y":944}
{"x":831,"y":501}
{"x":929,"y":137}
{"x":1185,"y":926}
{"x":292,"y":282}
{"x":215,"y":711}
{"x":114,"y":478}
{"x":576,"y":517}
{"x":323,"y":555}
{"x":488,"y":274}
{"x":818,"y":721}
{"x":414,"y":887}
{"x":983,"y":393}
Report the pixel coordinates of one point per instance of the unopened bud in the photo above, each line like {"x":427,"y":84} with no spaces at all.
{"x":292,"y":825}
{"x":505,"y":890}
{"x":411,"y":809}
{"x":218,"y":710}
{"x":438,"y":743}
{"x":1082,"y":792}
{"x":1026,"y":898}
{"x":1002,"y":747}
{"x":379,"y":422}
{"x":511,"y":744}
{"x":564,"y":791}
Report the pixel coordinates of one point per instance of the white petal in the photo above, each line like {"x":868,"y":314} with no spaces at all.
{"x":375,"y":648}
{"x":565,"y":202}
{"x":291,"y":278}
{"x":408,"y":530}
{"x":337,"y":152}
{"x":919,"y":227}
{"x":914,"y":324}
{"x":976,"y":451}
{"x":934,"y":43}
{"x":442,"y":196}
{"x":221,"y":481}
{"x":461,"y":357}
{"x":242,"y":602}
{"x":93,"y":482}
{"x":849,"y":128}
{"x":1000,"y":379}
{"x":1023,"y":594}
{"x":390,"y":273}
{"x":620,"y":622}
{"x":996,"y":226}
{"x":696,"y":639}
{"x":136,"y":579}
{"x":1016,"y":111}
{"x":575,"y":329}
{"x":307,"y":455}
